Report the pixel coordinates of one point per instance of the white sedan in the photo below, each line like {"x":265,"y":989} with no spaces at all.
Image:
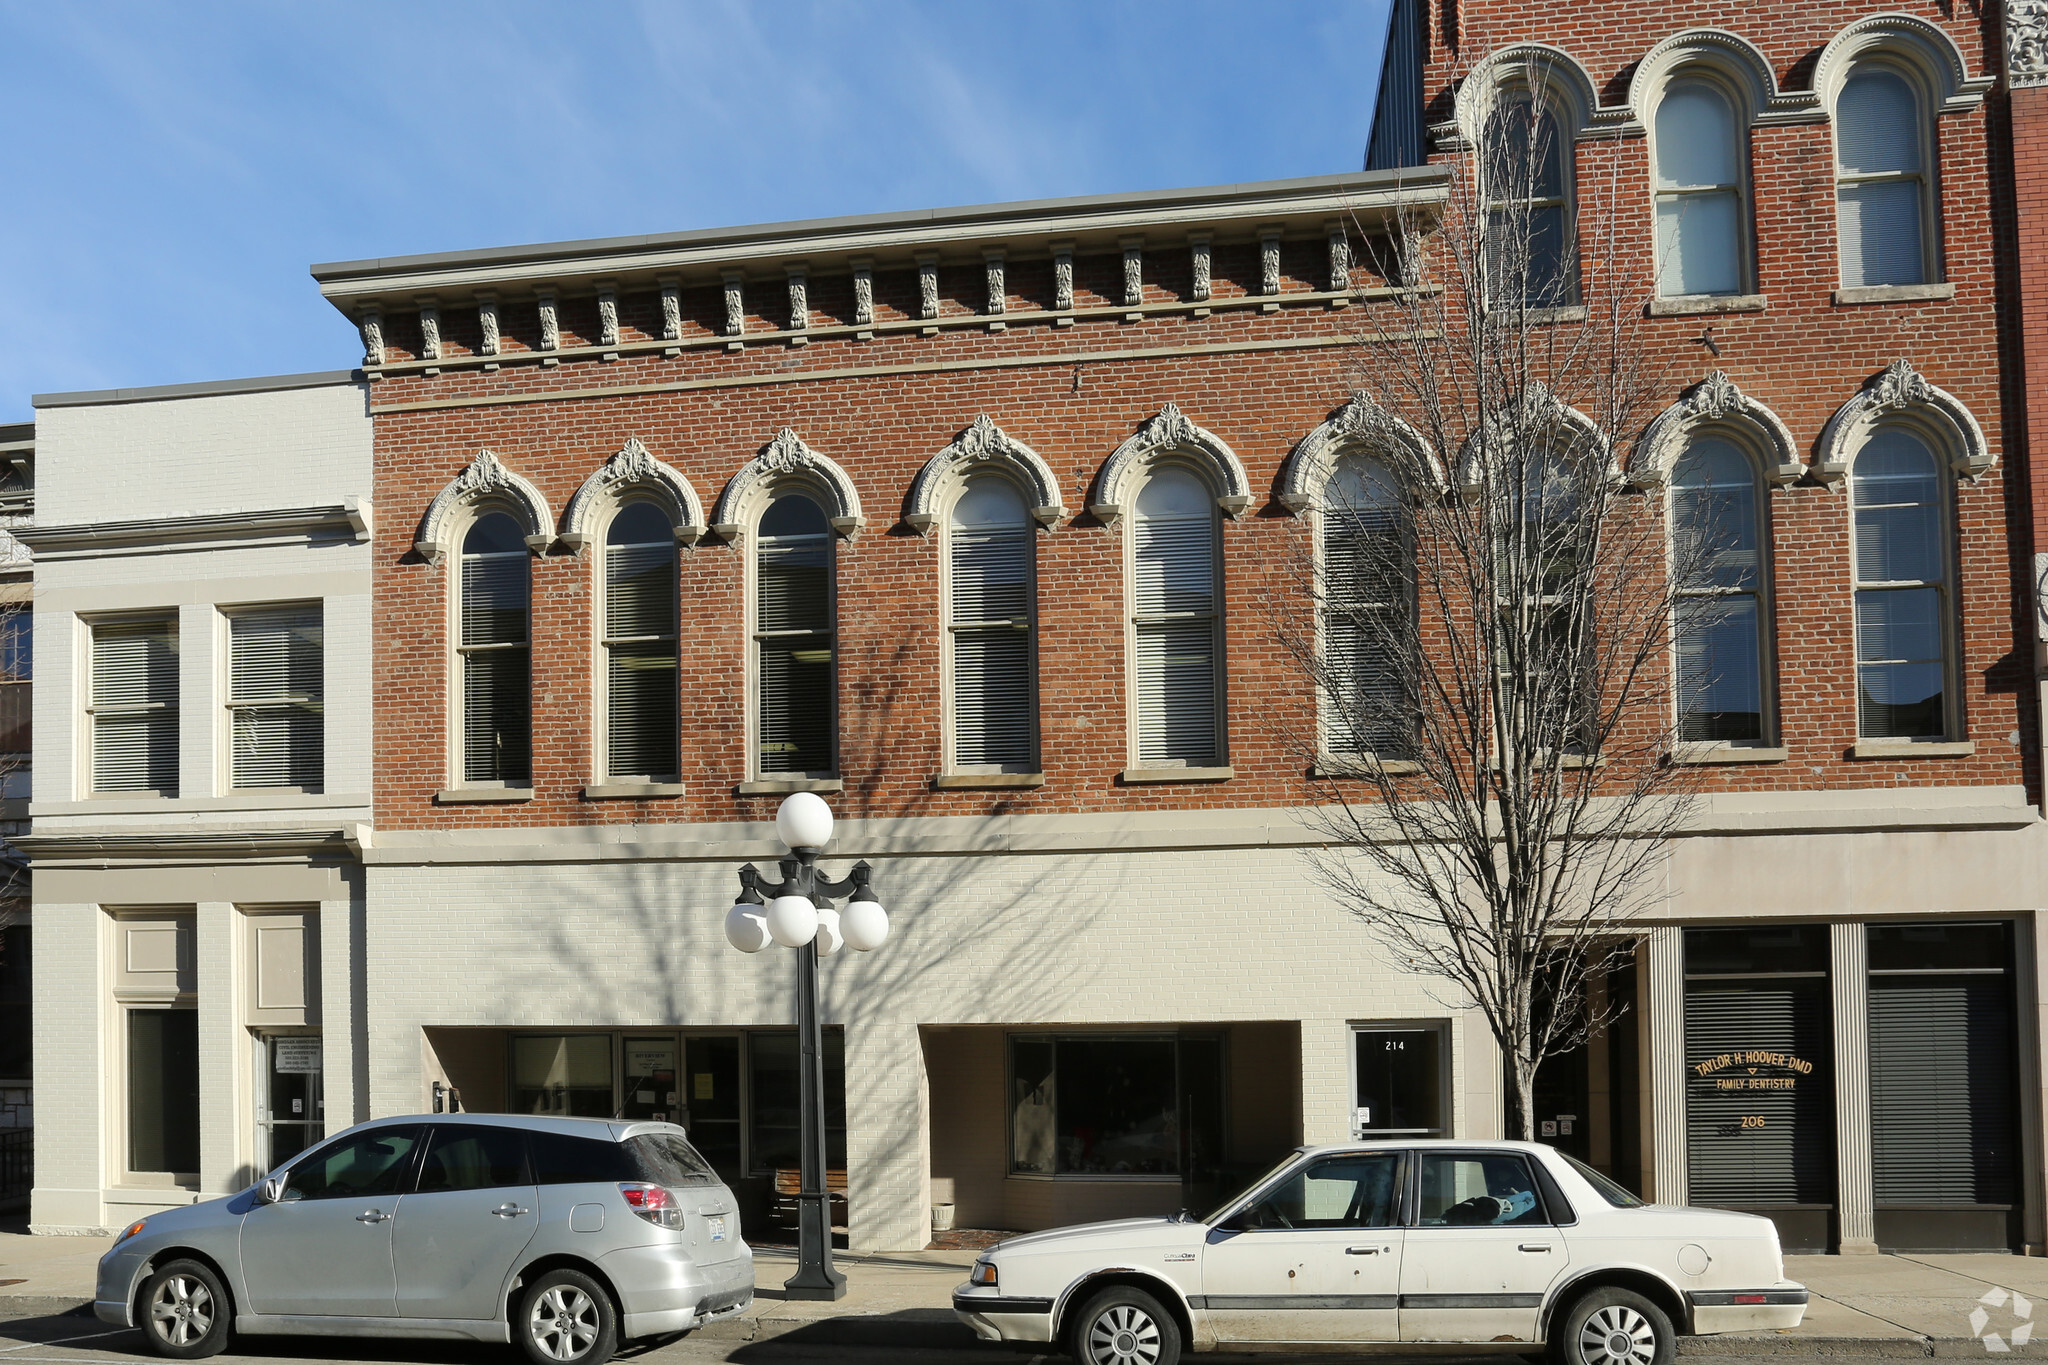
{"x":1508,"y":1246}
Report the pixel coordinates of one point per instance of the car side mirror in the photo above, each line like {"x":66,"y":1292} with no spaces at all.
{"x":270,"y":1191}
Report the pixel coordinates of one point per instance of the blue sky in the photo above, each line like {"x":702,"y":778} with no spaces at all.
{"x":174,"y":168}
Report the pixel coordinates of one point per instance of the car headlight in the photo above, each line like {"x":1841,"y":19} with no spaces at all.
{"x":131,"y":1230}
{"x":983,"y":1274}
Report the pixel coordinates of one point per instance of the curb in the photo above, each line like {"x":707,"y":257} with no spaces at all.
{"x":1791,"y":1344}
{"x":906,"y":1328}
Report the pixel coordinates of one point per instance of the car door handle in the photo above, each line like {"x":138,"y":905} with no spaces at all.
{"x":1363,"y":1251}
{"x":508,"y":1211}
{"x":1535,"y":1246}
{"x":372,"y":1216}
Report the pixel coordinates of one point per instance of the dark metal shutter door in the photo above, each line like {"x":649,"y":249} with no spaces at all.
{"x":1941,"y":1090}
{"x":1790,"y":1158}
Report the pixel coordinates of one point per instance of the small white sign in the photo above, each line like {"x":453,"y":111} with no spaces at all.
{"x":1549,"y":1128}
{"x":296,"y":1056}
{"x":1564,"y":1126}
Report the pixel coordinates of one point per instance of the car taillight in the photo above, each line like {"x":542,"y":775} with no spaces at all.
{"x":1749,"y":1298}
{"x":654,"y":1203}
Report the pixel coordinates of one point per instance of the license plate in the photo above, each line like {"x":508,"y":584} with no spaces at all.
{"x":717,"y":1228}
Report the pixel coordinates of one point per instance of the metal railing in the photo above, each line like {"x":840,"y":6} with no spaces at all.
{"x":17,"y":1163}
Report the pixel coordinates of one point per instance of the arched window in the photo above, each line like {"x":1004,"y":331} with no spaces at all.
{"x":1702,"y":226}
{"x":794,"y":618}
{"x":1721,"y":613}
{"x":1177,"y":624}
{"x":990,"y":616}
{"x":1367,"y":613}
{"x":1900,"y":552}
{"x":495,"y":649}
{"x":640,"y":644}
{"x":1527,"y":175}
{"x":1882,"y":164}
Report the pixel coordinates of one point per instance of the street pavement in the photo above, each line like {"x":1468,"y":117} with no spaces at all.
{"x":1865,"y":1308}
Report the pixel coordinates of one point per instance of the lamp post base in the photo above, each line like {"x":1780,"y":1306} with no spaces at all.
{"x":815,"y":1277}
{"x":815,"y":1282}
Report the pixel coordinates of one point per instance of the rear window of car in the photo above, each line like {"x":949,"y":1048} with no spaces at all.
{"x":560,"y":1159}
{"x":669,"y":1159}
{"x":1602,"y":1185}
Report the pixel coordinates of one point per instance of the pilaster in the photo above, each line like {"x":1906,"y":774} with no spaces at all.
{"x":1666,"y":1013}
{"x":888,"y":1138}
{"x":344,"y":1055}
{"x":224,"y":1103}
{"x":1850,"y":980}
{"x":2030,"y":988}
{"x":199,"y":650}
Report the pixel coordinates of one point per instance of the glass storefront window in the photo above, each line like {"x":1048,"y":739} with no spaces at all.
{"x":650,"y":1077}
{"x":563,"y":1074}
{"x":773,"y":1087}
{"x":1938,"y":948}
{"x":1764,"y":950}
{"x":163,"y":1091}
{"x":1115,"y":1106}
{"x":711,"y":1099}
{"x":1397,"y":1079}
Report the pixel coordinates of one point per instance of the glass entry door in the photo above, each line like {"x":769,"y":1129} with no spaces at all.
{"x":650,"y":1076}
{"x":1397,"y":1078}
{"x":711,"y":1100}
{"x":291,"y":1115}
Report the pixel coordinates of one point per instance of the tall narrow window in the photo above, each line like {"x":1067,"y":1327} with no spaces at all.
{"x":134,"y":706}
{"x":1901,"y":555}
{"x":275,"y":715}
{"x":1367,"y":613}
{"x":1881,"y":180}
{"x":1544,"y":655}
{"x":640,"y":644}
{"x":495,"y":650}
{"x":1178,"y":627}
{"x":989,"y":623}
{"x":1700,"y":151}
{"x":1529,"y":210}
{"x":1720,"y":611}
{"x":793,"y":637}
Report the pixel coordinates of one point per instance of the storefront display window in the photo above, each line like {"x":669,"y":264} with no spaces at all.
{"x":1397,"y":1082}
{"x":563,"y":1074}
{"x":773,"y":1085}
{"x":1131,"y":1106}
{"x":163,"y":1091}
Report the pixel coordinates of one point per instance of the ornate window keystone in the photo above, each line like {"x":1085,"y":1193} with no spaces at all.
{"x":1900,"y":393}
{"x":1359,"y":425}
{"x":1169,"y":434}
{"x":484,"y":481}
{"x":982,"y":445}
{"x":632,"y":469}
{"x":1714,"y":402}
{"x":783,"y":464}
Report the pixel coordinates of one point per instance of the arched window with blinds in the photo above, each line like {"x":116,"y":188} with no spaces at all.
{"x":991,"y":604}
{"x":794,"y":618}
{"x":1701,"y":153}
{"x":1901,"y":554}
{"x":1367,"y":577}
{"x":1882,"y":180}
{"x":1526,"y":169}
{"x":1176,"y":624}
{"x":639,"y":643}
{"x":494,"y":648}
{"x":276,"y":705}
{"x":1722,"y":615}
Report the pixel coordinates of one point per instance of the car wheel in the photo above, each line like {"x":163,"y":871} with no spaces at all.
{"x":1123,"y":1326}
{"x":566,"y":1318}
{"x":1614,"y":1327}
{"x":185,"y":1313}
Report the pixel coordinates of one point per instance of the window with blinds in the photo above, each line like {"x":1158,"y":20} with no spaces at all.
{"x":1529,"y":231}
{"x":1367,"y":614}
{"x":795,"y":722}
{"x":1177,"y":624}
{"x":1900,"y":550}
{"x":1700,"y":150}
{"x":1720,"y":609}
{"x":640,"y":589}
{"x":133,"y":706}
{"x":989,"y":625}
{"x":276,"y":718}
{"x":1881,"y":180}
{"x":494,"y":652}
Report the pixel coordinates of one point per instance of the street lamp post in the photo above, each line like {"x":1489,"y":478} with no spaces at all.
{"x":797,"y":912}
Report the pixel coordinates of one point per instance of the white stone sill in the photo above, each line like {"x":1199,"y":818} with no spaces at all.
{"x":632,"y":791}
{"x":1892,"y":748}
{"x":1706,"y":305}
{"x":1896,"y":293}
{"x":1704,"y":754}
{"x":968,"y":782}
{"x":1362,"y":766}
{"x":482,"y":796}
{"x":1149,"y":776}
{"x":784,"y":786}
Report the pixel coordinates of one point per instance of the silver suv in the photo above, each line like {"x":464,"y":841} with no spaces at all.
{"x":567,"y":1236}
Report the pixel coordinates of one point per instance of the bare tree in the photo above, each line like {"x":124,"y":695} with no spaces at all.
{"x":1492,"y":641}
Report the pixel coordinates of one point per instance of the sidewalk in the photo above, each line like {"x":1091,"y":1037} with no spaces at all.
{"x":1900,"y":1305}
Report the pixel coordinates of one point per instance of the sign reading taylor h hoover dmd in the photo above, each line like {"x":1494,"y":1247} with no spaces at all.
{"x":1751,"y":1064}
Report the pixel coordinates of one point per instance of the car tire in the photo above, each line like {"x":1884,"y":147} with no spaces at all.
{"x":566,"y":1318}
{"x":1124,"y":1326}
{"x":184,"y":1312}
{"x":1611,"y":1326}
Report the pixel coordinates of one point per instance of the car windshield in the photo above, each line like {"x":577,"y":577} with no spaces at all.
{"x":1215,"y":1215}
{"x":1602,"y":1185}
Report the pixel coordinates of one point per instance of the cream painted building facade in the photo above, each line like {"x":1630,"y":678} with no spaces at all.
{"x":203,"y":615}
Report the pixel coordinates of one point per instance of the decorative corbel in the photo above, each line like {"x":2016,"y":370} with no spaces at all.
{"x":371,"y":324}
{"x":799,"y":275}
{"x":1134,"y":274}
{"x":671,"y":310}
{"x":735,"y":307}
{"x":487,"y":324}
{"x":863,"y":295}
{"x":1340,"y":259}
{"x":1269,"y":265}
{"x":928,"y":288}
{"x":430,"y":327}
{"x":998,"y":287}
{"x":1198,"y":251}
{"x":608,"y":317}
{"x":1063,"y":281}
{"x":550,"y":323}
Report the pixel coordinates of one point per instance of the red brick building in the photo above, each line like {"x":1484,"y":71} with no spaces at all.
{"x":670,"y":527}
